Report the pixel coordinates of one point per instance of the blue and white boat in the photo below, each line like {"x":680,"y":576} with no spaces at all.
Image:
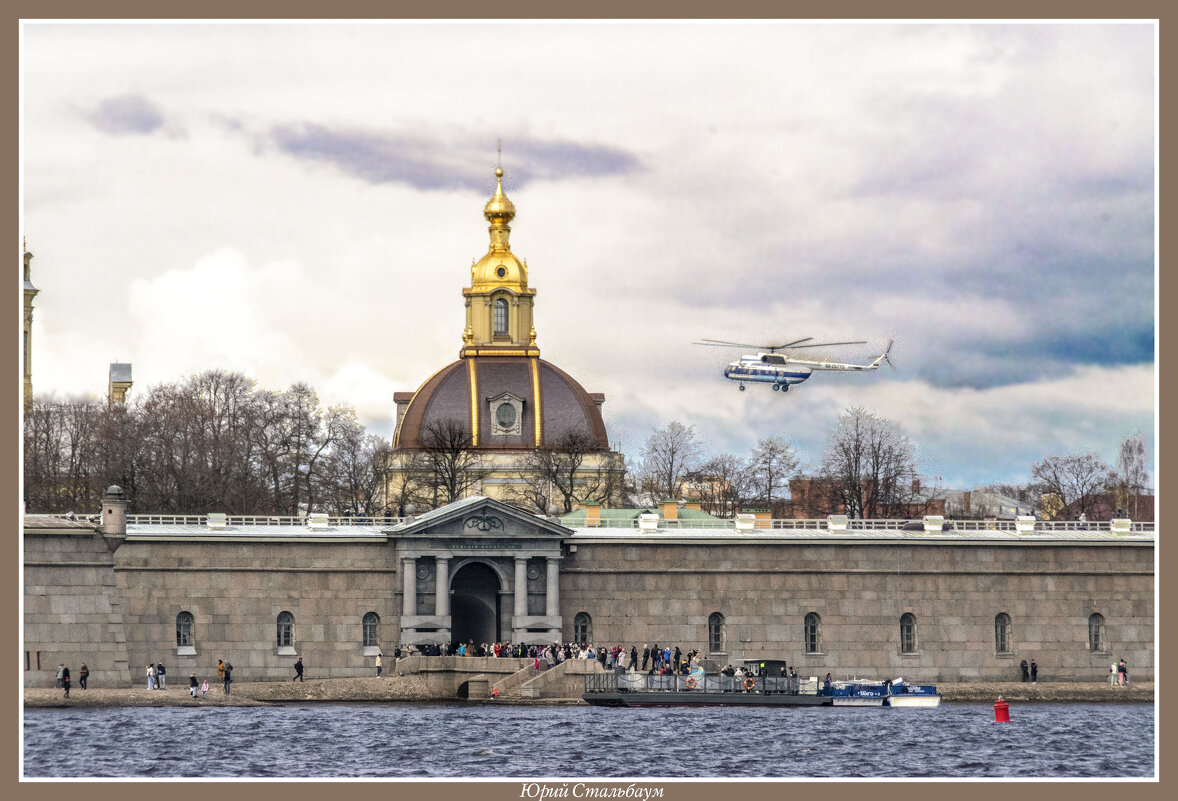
{"x":900,"y":693}
{"x":856,"y":692}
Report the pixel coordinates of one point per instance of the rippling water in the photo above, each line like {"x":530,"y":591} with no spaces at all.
{"x":449,"y":740}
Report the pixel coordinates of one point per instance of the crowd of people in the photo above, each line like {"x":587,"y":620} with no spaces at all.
{"x":653,"y":659}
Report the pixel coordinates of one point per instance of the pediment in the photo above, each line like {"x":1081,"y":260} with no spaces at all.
{"x":480,"y":517}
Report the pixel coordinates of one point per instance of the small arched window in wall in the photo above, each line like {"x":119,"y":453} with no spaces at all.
{"x":285,"y":630}
{"x":715,"y":633}
{"x":371,"y":626}
{"x":1003,"y":643}
{"x":908,"y":633}
{"x":501,"y":317}
{"x":582,"y":628}
{"x":812,"y":629}
{"x":1096,"y":632}
{"x":185,"y":634}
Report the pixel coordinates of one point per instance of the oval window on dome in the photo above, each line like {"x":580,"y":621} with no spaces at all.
{"x":505,"y":415}
{"x":501,"y":272}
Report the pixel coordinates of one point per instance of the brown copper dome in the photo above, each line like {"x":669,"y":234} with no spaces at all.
{"x":527,"y":384}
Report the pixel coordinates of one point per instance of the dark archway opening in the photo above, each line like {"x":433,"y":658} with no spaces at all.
{"x":474,"y":604}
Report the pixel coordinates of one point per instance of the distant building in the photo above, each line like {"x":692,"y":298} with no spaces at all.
{"x":120,"y":382}
{"x":814,"y":496}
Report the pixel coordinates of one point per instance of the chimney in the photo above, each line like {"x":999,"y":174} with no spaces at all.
{"x":965,"y":498}
{"x":592,"y":514}
{"x":114,"y":517}
{"x":915,"y":486}
{"x":670,"y":509}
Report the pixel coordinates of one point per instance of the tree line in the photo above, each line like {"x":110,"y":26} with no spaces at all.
{"x":870,"y":469}
{"x":211,"y":442}
{"x":217,"y":442}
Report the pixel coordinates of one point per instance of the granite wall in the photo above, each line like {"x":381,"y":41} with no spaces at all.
{"x":117,"y":610}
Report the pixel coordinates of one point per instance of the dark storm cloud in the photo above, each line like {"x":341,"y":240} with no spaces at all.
{"x":429,"y":164}
{"x":127,"y":114}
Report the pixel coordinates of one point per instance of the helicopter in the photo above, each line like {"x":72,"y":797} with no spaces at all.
{"x":783,"y":370}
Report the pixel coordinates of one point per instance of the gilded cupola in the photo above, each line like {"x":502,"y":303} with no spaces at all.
{"x":499,"y":300}
{"x":499,"y":267}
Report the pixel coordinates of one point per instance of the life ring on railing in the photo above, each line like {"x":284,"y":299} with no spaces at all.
{"x":750,"y":683}
{"x":690,"y":683}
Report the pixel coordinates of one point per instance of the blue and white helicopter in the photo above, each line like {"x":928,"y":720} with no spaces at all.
{"x":783,"y":370}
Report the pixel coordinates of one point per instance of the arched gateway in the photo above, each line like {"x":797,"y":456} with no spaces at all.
{"x":474,"y":604}
{"x":505,"y":582}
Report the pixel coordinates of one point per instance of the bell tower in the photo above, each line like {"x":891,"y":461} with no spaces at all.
{"x":498,"y":300}
{"x":27,"y":336}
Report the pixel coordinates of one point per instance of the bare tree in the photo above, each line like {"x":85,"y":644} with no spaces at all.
{"x":719,"y":484}
{"x":670,"y":454}
{"x":772,"y":462}
{"x":869,"y":466}
{"x":562,"y":472}
{"x":1074,"y":479}
{"x":1130,"y":480}
{"x":409,"y":480}
{"x":453,"y":463}
{"x":355,"y":473}
{"x":60,"y":450}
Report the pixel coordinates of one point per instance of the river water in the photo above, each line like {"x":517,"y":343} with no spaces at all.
{"x":488,"y":741}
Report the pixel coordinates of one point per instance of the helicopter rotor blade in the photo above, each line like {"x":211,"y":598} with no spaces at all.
{"x":829,"y":344}
{"x":787,"y":345}
{"x":720,"y":343}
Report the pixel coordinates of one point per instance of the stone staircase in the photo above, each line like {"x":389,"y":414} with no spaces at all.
{"x":564,"y":681}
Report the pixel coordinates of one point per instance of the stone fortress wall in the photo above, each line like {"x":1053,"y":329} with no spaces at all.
{"x":665,"y":593}
{"x":114,"y":605}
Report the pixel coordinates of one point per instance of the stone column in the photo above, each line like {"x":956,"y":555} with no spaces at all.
{"x":552,"y":597}
{"x":442,"y":590}
{"x":409,"y":586}
{"x":521,"y":589}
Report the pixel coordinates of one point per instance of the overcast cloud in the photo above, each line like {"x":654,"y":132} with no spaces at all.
{"x":302,"y":203}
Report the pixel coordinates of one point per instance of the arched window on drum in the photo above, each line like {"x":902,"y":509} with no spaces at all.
{"x":582,"y":628}
{"x":501,"y":317}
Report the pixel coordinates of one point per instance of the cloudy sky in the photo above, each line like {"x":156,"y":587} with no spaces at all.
{"x":302,"y":203}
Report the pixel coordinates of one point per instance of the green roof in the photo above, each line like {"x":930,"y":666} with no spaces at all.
{"x":630,"y":514}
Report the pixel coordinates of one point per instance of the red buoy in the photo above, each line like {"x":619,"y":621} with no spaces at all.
{"x":1001,"y":711}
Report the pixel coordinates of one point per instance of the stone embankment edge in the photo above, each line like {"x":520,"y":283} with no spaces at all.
{"x":410,"y":689}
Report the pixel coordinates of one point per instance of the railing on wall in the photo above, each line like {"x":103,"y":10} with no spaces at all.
{"x":749,"y":527}
{"x":260,"y":520}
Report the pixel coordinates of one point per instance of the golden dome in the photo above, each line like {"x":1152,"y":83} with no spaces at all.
{"x":499,"y":269}
{"x":499,"y":210}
